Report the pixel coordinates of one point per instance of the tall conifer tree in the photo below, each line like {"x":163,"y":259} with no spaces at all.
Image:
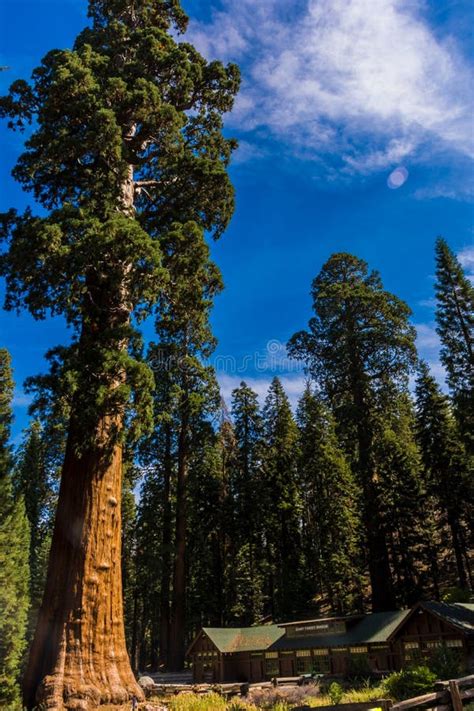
{"x":32,"y":481}
{"x":455,"y":318}
{"x":127,"y":145}
{"x":14,"y":548}
{"x":359,"y":348}
{"x":331,"y":504}
{"x":448,"y":470}
{"x":281,"y":503}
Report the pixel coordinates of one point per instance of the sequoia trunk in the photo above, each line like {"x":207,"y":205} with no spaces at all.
{"x":78,"y":659}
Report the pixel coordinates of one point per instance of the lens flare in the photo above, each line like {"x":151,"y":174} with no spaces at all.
{"x":397,"y":178}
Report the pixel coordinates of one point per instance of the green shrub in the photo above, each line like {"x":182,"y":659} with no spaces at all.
{"x":409,"y":683}
{"x":335,"y":693}
{"x":197,"y":702}
{"x":446,"y":663}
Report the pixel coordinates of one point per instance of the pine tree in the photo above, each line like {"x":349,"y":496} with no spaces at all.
{"x":403,"y":501}
{"x":331,"y":501}
{"x":455,"y":318}
{"x":33,"y":483}
{"x":127,"y":146}
{"x":246,"y":576}
{"x":14,"y":546}
{"x":185,"y":341}
{"x":281,"y":502}
{"x":359,"y":348}
{"x":448,"y":470}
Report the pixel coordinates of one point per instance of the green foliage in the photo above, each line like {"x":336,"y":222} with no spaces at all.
{"x":447,"y":663}
{"x":455,"y":319}
{"x":198,"y":702}
{"x":448,"y":470}
{"x":281,"y":503}
{"x":330,"y":512}
{"x":127,"y":157}
{"x":359,"y":348}
{"x":335,"y":692}
{"x":14,"y":547}
{"x":409,"y":683}
{"x":451,"y":595}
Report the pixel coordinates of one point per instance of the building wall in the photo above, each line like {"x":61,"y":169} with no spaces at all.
{"x":422,"y":635}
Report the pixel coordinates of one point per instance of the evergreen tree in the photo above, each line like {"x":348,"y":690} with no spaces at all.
{"x":281,"y":503}
{"x":14,"y":546}
{"x":185,"y":340}
{"x":448,"y":470}
{"x":246,"y":574}
{"x":455,"y":318}
{"x":127,"y":147}
{"x":359,"y":348}
{"x":402,"y":497}
{"x":33,"y":483}
{"x":331,"y":500}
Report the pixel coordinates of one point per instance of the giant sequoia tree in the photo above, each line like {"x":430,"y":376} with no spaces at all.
{"x":126,"y":146}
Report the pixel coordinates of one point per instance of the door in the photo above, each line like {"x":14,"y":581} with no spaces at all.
{"x":286,"y":666}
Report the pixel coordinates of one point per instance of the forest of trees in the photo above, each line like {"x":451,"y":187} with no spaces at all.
{"x":360,"y":499}
{"x":138,"y":507}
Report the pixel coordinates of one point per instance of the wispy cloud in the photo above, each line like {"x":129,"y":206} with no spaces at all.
{"x":294,"y":386}
{"x":368,"y":81}
{"x":466,"y":258}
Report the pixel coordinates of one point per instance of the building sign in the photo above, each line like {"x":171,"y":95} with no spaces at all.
{"x":311,"y":629}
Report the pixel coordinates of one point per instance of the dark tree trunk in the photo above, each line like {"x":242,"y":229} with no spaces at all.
{"x":454,"y":526}
{"x":166,"y":553}
{"x":178,"y":607}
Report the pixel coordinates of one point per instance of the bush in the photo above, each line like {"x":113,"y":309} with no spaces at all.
{"x":335,"y":693}
{"x":409,"y":683}
{"x":446,"y":663}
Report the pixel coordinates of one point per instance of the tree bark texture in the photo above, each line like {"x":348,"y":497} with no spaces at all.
{"x":78,"y":659}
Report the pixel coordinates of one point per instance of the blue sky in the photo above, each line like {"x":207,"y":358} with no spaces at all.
{"x":336,"y":96}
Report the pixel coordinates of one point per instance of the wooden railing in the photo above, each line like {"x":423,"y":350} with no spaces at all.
{"x":447,"y":696}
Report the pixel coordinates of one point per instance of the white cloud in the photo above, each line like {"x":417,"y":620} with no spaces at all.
{"x":293,"y":385}
{"x":368,"y":80}
{"x":427,"y":339}
{"x":466,"y":258}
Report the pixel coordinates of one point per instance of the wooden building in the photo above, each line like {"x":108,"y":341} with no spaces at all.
{"x":380,"y":642}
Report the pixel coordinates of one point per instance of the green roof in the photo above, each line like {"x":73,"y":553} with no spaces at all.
{"x":243,"y":639}
{"x":374,"y":628}
{"x":459,"y":615}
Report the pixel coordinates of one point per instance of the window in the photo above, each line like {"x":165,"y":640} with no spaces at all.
{"x":303,"y":653}
{"x":321,"y":661}
{"x":256,"y":655}
{"x":304,"y":664}
{"x":411,"y":645}
{"x":286,"y":654}
{"x":358,"y":650}
{"x":454,"y":643}
{"x":271,"y":655}
{"x":272,"y":667}
{"x":339,"y":650}
{"x":432,"y":645}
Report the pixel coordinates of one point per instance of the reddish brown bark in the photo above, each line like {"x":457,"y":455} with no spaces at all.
{"x":78,"y":659}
